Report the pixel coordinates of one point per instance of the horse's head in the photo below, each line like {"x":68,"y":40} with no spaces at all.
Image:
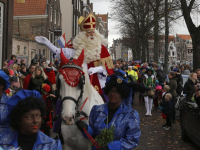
{"x":71,"y":81}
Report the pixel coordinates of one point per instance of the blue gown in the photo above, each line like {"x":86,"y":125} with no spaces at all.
{"x":3,"y":114}
{"x":126,"y":122}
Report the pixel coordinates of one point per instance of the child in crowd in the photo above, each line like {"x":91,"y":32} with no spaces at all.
{"x":167,"y":111}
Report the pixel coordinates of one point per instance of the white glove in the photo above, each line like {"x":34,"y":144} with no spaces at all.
{"x":45,"y":41}
{"x":93,"y":70}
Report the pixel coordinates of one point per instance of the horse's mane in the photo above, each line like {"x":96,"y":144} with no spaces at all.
{"x":87,"y":83}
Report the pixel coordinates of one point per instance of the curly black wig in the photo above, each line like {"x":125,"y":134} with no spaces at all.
{"x":24,"y":106}
{"x":122,"y":88}
{"x":3,"y":82}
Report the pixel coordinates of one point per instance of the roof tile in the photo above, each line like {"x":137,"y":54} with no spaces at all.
{"x":184,"y":36}
{"x":30,"y":7}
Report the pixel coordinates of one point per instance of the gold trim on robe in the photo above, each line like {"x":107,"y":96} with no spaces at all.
{"x":103,"y":62}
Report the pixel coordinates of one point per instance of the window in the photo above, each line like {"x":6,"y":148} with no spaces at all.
{"x":52,"y":37}
{"x":54,"y":16}
{"x":39,"y":51}
{"x":100,"y":18}
{"x":1,"y":30}
{"x":49,"y":35}
{"x":44,"y":52}
{"x":32,"y":54}
{"x":191,"y":50}
{"x":24,"y":50}
{"x":183,"y":55}
{"x":172,"y":53}
{"x":51,"y":13}
{"x":58,"y":18}
{"x":188,"y":51}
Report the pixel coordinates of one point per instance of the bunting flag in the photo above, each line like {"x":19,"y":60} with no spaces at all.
{"x":62,"y":41}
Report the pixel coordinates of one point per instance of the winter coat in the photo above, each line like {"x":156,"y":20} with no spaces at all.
{"x":134,"y":74}
{"x":26,"y":81}
{"x":124,"y":67}
{"x":179,"y":80}
{"x":173,"y":86}
{"x":163,"y":97}
{"x":51,"y":77}
{"x":189,"y":88}
{"x":35,"y":59}
{"x":167,"y":108}
{"x":126,"y":122}
{"x":160,"y":76}
{"x":24,"y":73}
{"x":32,"y":86}
{"x":43,"y":142}
{"x":41,"y":59}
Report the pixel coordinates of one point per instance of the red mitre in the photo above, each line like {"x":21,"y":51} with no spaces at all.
{"x":88,"y":23}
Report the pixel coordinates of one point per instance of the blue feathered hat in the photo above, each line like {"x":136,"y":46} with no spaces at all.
{"x":6,"y":78}
{"x":21,"y":95}
{"x":120,"y":75}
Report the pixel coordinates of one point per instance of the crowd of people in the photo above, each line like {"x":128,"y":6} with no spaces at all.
{"x":28,"y":95}
{"x":165,"y":88}
{"x":40,"y":77}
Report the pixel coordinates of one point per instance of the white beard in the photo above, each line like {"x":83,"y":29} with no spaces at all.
{"x":92,"y":47}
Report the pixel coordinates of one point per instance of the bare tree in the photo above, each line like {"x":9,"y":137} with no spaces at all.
{"x":193,"y":29}
{"x":138,"y":20}
{"x":166,"y":36}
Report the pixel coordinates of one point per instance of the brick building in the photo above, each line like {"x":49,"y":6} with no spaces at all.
{"x":31,"y":19}
{"x":6,"y":25}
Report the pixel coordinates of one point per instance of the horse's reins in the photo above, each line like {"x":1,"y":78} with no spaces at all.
{"x":78,"y":113}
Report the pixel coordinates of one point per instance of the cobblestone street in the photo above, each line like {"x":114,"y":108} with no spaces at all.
{"x":154,"y":137}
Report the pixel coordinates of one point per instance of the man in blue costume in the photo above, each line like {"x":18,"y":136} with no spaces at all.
{"x":117,"y":113}
{"x":4,"y":85}
{"x":25,"y":111}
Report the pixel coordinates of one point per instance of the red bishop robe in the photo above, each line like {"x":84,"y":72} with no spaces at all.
{"x":107,"y":64}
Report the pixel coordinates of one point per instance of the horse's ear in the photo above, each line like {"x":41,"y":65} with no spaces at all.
{"x":80,"y":59}
{"x":63,"y":59}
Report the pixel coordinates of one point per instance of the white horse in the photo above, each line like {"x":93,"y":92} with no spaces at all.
{"x":73,"y":138}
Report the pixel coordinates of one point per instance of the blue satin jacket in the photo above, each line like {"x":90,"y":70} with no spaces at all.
{"x":3,"y":110}
{"x":126,"y":122}
{"x":3,"y":114}
{"x":9,"y":141}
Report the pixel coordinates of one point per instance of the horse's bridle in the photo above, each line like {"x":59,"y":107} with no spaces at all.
{"x":70,"y":64}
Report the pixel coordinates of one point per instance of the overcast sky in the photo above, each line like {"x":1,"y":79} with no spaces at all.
{"x":103,"y":7}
